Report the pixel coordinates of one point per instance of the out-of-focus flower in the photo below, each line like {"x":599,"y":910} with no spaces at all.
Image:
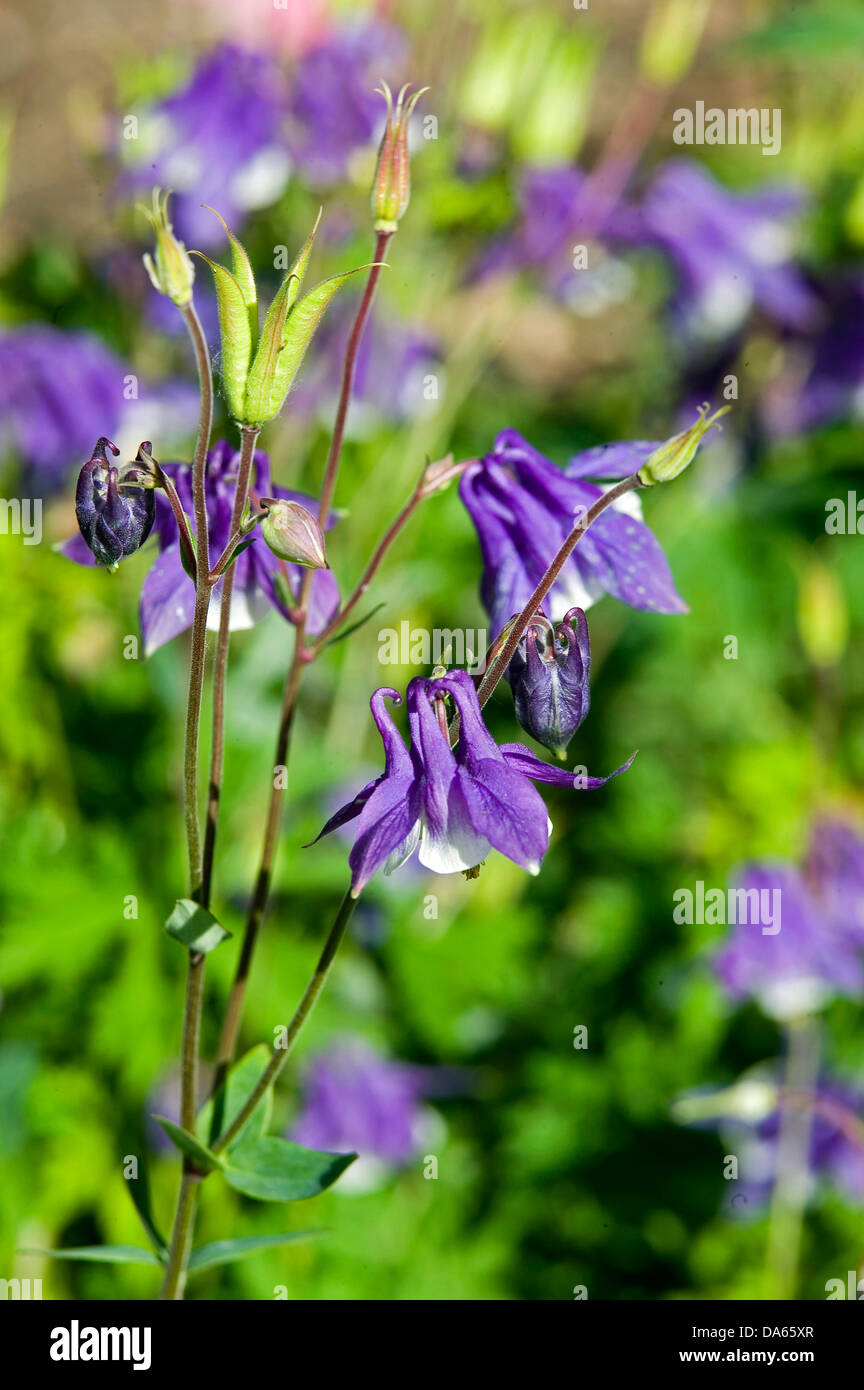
{"x":524,"y":507}
{"x":730,"y":251}
{"x":220,"y":141}
{"x":825,"y":380}
{"x":355,"y":1101}
{"x":549,"y":678}
{"x":804,"y":957}
{"x":452,"y":806}
{"x":750,"y":1114}
{"x":562,"y":209}
{"x":168,"y":594}
{"x":396,"y":376}
{"x":334,"y":110}
{"x":59,"y":390}
{"x":834,"y":870}
{"x":115,"y":515}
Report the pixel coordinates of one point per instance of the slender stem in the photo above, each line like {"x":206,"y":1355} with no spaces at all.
{"x":187,"y":1200}
{"x":283,"y":1049}
{"x":249,"y":436}
{"x":792,"y":1166}
{"x":300,"y":658}
{"x":496,"y":668}
{"x":419,"y":495}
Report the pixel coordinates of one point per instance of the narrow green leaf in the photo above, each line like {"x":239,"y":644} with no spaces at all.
{"x":236,"y":334}
{"x":353,"y":627}
{"x":298,"y":333}
{"x":195,"y":927}
{"x":223,"y":1252}
{"x":100,"y":1254}
{"x":139,"y":1191}
{"x":189,"y":1144}
{"x":243,"y":274}
{"x":230,"y":1099}
{"x":276,"y":1170}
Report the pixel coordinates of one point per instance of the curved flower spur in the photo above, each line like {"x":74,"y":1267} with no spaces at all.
{"x":453,"y":805}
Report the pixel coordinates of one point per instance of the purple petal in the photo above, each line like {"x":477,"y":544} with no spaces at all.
{"x":505,"y":808}
{"x":167,"y":600}
{"x":386,"y":821}
{"x":523,"y":760}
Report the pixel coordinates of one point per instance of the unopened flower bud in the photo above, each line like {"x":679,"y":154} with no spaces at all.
{"x":671,"y":458}
{"x":293,"y":533}
{"x":549,"y":678}
{"x":172,"y":273}
{"x":391,"y":190}
{"x":115,"y":517}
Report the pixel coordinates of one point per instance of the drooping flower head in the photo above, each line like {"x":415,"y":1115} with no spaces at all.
{"x":115,"y":514}
{"x":261,"y":581}
{"x":453,"y":805}
{"x":524,"y":507}
{"x":549,"y":677}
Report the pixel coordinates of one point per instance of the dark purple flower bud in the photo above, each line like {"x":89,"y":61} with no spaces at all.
{"x":549,"y":678}
{"x":114,"y":517}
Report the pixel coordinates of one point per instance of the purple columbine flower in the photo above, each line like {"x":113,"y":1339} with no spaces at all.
{"x":334,"y":110}
{"x":59,"y":390}
{"x":355,"y":1101}
{"x":750,"y":1111}
{"x":825,"y":379}
{"x":730,"y":251}
{"x":452,"y":806}
{"x":559,"y":208}
{"x":114,"y":517}
{"x":801,"y":960}
{"x":524,"y":507}
{"x":223,"y":143}
{"x":549,"y":677}
{"x":168,"y":594}
{"x":834,"y":870}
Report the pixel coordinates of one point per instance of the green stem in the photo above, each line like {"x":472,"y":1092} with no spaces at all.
{"x":249,"y":436}
{"x":789,"y":1196}
{"x":184,"y":1218}
{"x":282,"y":1051}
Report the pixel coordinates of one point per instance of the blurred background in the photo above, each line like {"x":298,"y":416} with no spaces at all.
{"x":714,"y":272}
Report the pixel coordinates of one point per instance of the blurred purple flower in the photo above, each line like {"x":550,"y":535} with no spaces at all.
{"x":355,"y":1101}
{"x":796,"y":969}
{"x":168,"y":594}
{"x":834,"y":870}
{"x":751,"y":1110}
{"x":524,"y":507}
{"x":393,"y":361}
{"x":730,"y":251}
{"x":559,"y":208}
{"x":334,"y":110}
{"x":223,"y":143}
{"x":59,"y":391}
{"x":826,"y":379}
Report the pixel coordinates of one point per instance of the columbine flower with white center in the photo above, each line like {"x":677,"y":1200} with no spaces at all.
{"x":453,"y":805}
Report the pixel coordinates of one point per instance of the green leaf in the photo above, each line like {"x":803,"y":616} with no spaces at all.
{"x":230,"y":1099}
{"x":195,"y":927}
{"x":101,"y":1254}
{"x":353,"y":627}
{"x":223,"y":1252}
{"x":189,"y":1144}
{"x":236,"y":334}
{"x":139,"y":1191}
{"x":243,"y":274}
{"x":276,"y":1170}
{"x":815,"y":32}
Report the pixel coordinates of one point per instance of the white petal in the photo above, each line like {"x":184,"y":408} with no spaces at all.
{"x":461,"y":848}
{"x":397,"y":857}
